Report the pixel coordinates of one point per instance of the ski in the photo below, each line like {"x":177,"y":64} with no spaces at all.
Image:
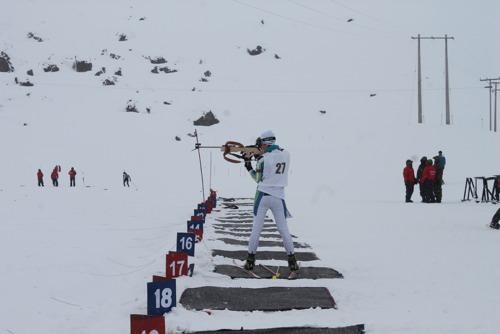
{"x":293,"y":275}
{"x":276,"y":274}
{"x":249,"y":272}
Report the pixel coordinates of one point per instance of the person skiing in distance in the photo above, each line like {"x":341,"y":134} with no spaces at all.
{"x":72,"y":174}
{"x":55,"y":176}
{"x":494,"y":221}
{"x":409,"y":179}
{"x":39,"y":176}
{"x":126,"y":179}
{"x":427,"y":181}
{"x":271,"y":175}
{"x":420,"y":170}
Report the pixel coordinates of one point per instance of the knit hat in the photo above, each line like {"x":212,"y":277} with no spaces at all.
{"x":267,"y":137}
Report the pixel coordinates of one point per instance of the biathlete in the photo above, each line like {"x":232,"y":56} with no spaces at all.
{"x":271,"y":175}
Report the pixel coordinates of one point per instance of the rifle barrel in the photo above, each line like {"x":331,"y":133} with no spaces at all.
{"x":210,"y":146}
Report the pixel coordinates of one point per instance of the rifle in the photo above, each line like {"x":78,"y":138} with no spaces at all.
{"x":230,"y":148}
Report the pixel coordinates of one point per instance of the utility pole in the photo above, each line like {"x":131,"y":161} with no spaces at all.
{"x":495,"y":118}
{"x":490,"y":89}
{"x":448,"y":116}
{"x":447,"y":84}
{"x":419,"y":70}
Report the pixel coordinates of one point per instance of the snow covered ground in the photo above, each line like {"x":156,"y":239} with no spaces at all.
{"x":78,"y":259}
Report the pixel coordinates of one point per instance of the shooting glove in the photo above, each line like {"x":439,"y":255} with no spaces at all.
{"x":248,"y":165}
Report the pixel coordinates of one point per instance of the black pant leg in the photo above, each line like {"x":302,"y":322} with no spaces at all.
{"x":496,"y":217}
{"x":409,"y":191}
{"x":428,"y":191}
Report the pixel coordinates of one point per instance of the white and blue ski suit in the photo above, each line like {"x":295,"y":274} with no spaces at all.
{"x":271,"y":175}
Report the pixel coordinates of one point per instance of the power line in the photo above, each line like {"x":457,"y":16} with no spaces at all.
{"x":292,"y":19}
{"x":357,"y":11}
{"x":369,"y":28}
{"x":317,"y":11}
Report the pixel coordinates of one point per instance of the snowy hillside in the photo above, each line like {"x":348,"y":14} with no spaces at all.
{"x":78,"y":259}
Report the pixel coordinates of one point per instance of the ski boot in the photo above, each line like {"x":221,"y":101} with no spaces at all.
{"x":292,"y":266}
{"x":250,"y":263}
{"x":495,"y":225}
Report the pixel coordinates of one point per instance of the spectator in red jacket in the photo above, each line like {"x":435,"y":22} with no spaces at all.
{"x":39,"y":176}
{"x":427,"y":180}
{"x":55,"y":176}
{"x":409,"y":179}
{"x":72,"y":174}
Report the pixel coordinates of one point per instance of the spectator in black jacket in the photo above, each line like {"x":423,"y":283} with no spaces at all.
{"x":420,"y":170}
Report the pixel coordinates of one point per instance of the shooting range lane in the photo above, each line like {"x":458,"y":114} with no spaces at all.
{"x":247,"y":235}
{"x":241,"y":221}
{"x":242,"y":225}
{"x":281,"y":272}
{"x":246,"y":299}
{"x":285,"y":297}
{"x":356,"y":329}
{"x":264,"y":255}
{"x":262,"y":243}
{"x":268,"y":228}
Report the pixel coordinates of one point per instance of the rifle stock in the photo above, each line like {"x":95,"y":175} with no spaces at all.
{"x":231,"y":148}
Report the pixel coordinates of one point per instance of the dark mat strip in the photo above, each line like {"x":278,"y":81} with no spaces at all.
{"x":356,"y":329}
{"x":239,"y":215}
{"x":304,"y":272}
{"x":247,"y":229}
{"x":240,"y":225}
{"x":262,"y":243}
{"x":262,"y":299}
{"x":247,"y":221}
{"x":247,"y":234}
{"x":264,"y":255}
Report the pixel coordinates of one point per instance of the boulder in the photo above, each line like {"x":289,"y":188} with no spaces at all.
{"x":33,"y":36}
{"x":51,"y":68}
{"x":82,"y":66}
{"x":207,"y":119}
{"x":257,"y":51}
{"x":108,"y":82}
{"x":5,"y":64}
{"x":157,"y":60}
{"x":102,"y":71}
{"x":131,"y":107}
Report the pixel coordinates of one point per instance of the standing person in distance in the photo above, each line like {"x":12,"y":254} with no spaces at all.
{"x":72,"y":175}
{"x":54,"y":176}
{"x":409,"y":179}
{"x":438,"y":182}
{"x":271,"y":175}
{"x":420,"y":171}
{"x":427,"y":181}
{"x":442,"y":163}
{"x":39,"y":176}
{"x":441,"y":159}
{"x":126,"y":179}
